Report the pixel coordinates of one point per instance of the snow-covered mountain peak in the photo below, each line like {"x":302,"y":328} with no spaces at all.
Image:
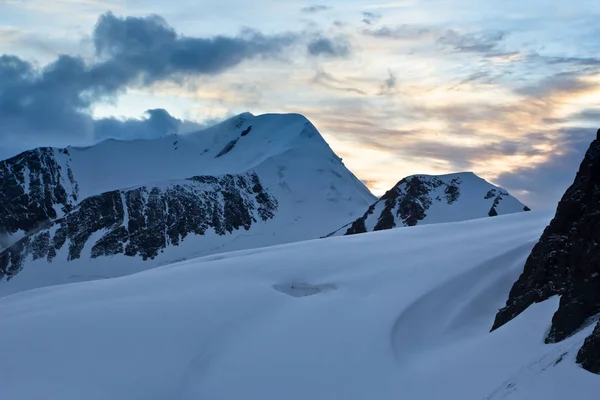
{"x":427,"y":199}
{"x":233,"y":146}
{"x":250,"y":181}
{"x":466,"y":177}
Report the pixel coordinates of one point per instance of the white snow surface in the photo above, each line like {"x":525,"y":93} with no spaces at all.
{"x":397,"y":314}
{"x":115,"y":164}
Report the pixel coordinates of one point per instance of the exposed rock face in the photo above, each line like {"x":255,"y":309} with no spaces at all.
{"x":452,"y":197}
{"x":408,"y":200}
{"x":34,"y":189}
{"x":566,"y":262}
{"x":228,"y":147}
{"x":143,"y":221}
{"x":589,"y":354}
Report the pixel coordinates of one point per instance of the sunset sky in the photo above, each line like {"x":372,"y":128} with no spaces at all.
{"x":507,"y":89}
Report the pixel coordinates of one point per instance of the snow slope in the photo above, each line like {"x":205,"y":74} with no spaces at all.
{"x":434,"y":199}
{"x":311,"y":190}
{"x":254,"y":140}
{"x":399,"y":314}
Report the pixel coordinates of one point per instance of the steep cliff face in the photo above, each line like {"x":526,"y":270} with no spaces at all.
{"x":36,"y":187}
{"x":589,"y":354}
{"x":426,"y":199}
{"x":566,"y":262}
{"x":145,"y":220}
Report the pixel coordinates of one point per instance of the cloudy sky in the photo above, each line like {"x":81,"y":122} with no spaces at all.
{"x":508,"y":89}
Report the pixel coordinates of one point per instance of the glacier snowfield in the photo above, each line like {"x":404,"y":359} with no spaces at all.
{"x":398,"y":314}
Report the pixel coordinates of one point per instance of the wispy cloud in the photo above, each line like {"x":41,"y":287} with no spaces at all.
{"x":401,"y":32}
{"x":329,"y":81}
{"x":389,"y":85}
{"x":329,"y":47}
{"x":10,"y":35}
{"x":370,"y":18}
{"x":471,"y":42}
{"x":315,"y":8}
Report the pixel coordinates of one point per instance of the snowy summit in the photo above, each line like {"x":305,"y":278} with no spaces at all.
{"x":123,"y":206}
{"x":431,"y":199}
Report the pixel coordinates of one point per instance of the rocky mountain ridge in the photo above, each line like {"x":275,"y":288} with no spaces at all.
{"x":145,"y":220}
{"x":566,"y":263}
{"x":425,"y":199}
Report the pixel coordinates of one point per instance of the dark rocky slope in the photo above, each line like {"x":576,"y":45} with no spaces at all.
{"x":589,"y":354}
{"x":143,"y":221}
{"x":566,"y":262}
{"x":33,"y":186}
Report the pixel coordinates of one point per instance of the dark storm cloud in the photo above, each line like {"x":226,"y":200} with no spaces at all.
{"x":56,"y":100}
{"x":50,"y":100}
{"x":149,"y":49}
{"x":158,"y":123}
{"x":323,"y":46}
{"x":315,"y":8}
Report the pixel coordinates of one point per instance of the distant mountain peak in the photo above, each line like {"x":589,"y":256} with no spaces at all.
{"x":426,"y":199}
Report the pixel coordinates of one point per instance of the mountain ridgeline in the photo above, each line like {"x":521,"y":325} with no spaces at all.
{"x":145,"y":220}
{"x":120,"y":207}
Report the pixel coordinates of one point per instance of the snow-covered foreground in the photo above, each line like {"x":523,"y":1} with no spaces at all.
{"x":398,"y":314}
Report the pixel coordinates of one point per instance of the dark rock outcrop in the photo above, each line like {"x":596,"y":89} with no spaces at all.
{"x":246,"y":131}
{"x":228,"y":147}
{"x":143,"y":221}
{"x":589,"y":354}
{"x":408,"y":200}
{"x":33,"y":186}
{"x":497,"y":195}
{"x":566,"y":260}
